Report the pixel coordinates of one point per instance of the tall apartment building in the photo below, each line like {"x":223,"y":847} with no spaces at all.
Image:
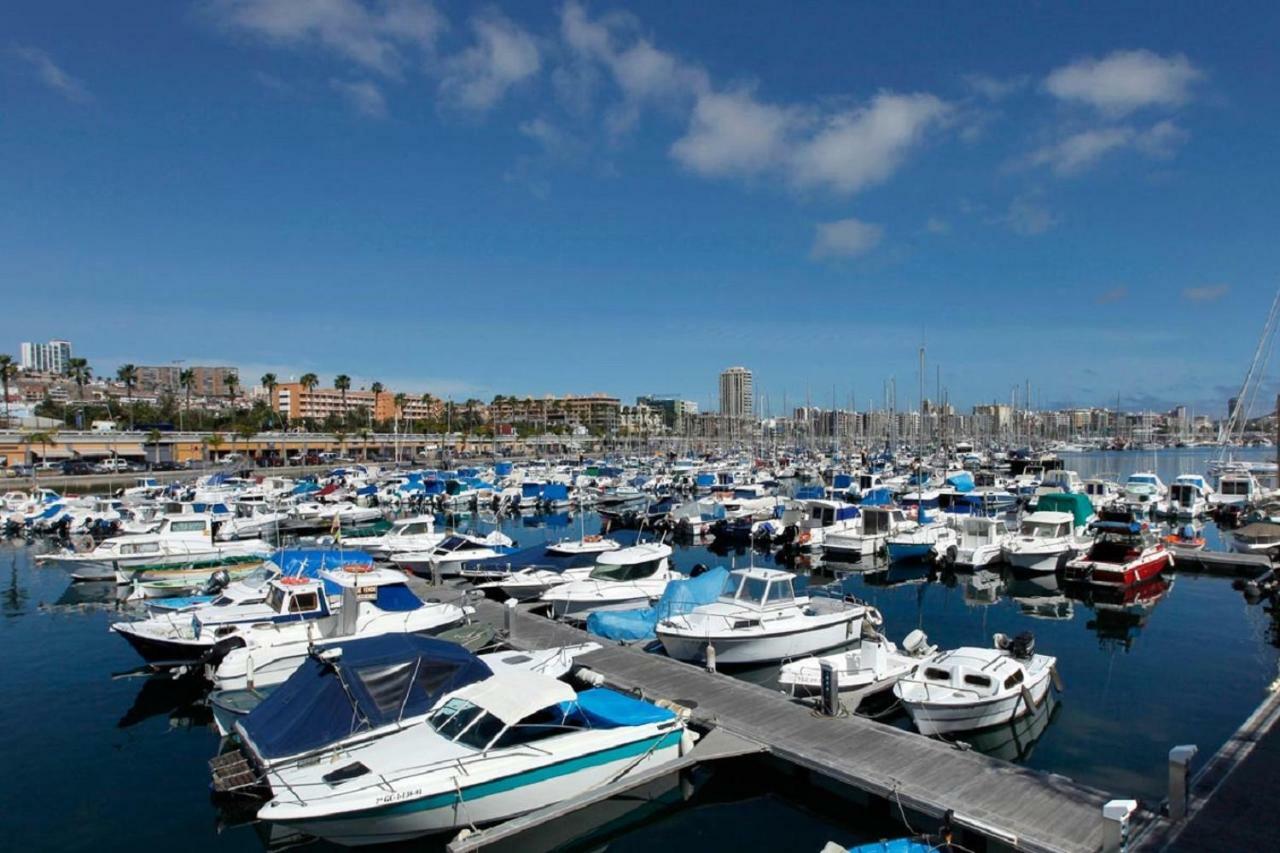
{"x":737,"y":395}
{"x":209,"y":381}
{"x":295,"y":401}
{"x":53,"y":357}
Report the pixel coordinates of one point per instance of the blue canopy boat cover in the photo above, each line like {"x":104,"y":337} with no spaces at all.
{"x":308,"y":562}
{"x":809,"y":493}
{"x":602,"y":708}
{"x":877,"y":497}
{"x":961,"y":482}
{"x":373,"y":683}
{"x":680,"y":598}
{"x":842,"y":481}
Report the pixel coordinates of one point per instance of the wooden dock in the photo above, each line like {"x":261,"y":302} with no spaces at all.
{"x":1225,"y":563}
{"x":1012,"y":807}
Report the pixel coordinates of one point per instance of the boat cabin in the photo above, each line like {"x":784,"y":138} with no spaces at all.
{"x":1047,"y":525}
{"x":759,"y":589}
{"x":976,"y":673}
{"x":881,"y":521}
{"x":826,"y":513}
{"x":631,"y":564}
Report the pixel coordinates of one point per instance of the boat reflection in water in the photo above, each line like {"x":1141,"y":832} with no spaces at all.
{"x":90,"y":595}
{"x":1040,"y":597}
{"x":1014,"y":741}
{"x":182,"y":699}
{"x":983,"y":588}
{"x":1120,"y":613}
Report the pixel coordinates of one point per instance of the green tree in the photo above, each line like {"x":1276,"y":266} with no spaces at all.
{"x":428,"y":401}
{"x":43,"y":438}
{"x":270,"y":384}
{"x":340,"y":436}
{"x":78,"y":370}
{"x":232,"y":381}
{"x":186,"y":381}
{"x":343,"y":383}
{"x":153,"y":439}
{"x":309,"y":381}
{"x":7,"y":371}
{"x":245,"y":431}
{"x":213,"y":443}
{"x":128,"y":374}
{"x":365,"y":434}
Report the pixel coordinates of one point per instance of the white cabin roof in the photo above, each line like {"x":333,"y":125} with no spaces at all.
{"x":513,"y":694}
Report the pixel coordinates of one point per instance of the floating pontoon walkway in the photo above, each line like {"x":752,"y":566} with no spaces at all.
{"x":1011,"y":806}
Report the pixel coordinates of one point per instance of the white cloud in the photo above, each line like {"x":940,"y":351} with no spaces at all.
{"x":845,"y":238}
{"x":1209,"y":293}
{"x":865,"y":146}
{"x":52,"y":75}
{"x":733,"y":133}
{"x":1080,"y":151}
{"x":935,"y":225}
{"x":1125,"y":80}
{"x":1028,"y":216}
{"x":502,"y":56}
{"x":376,"y":36}
{"x":996,"y":88}
{"x":364,"y":97}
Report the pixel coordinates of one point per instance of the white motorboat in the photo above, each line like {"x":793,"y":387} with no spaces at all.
{"x":871,"y":667}
{"x":1237,"y":488}
{"x":490,"y":750}
{"x":183,"y":546}
{"x":1188,"y":497}
{"x":824,"y":518}
{"x":914,"y":541}
{"x":979,"y":541}
{"x":1101,"y":492}
{"x":253,"y":519}
{"x":1260,"y":537}
{"x":973,"y":688}
{"x":586,"y":545}
{"x":759,"y":618}
{"x":1045,"y":541}
{"x":626,"y":579}
{"x":456,"y":549}
{"x":1143,"y":491}
{"x":406,"y":536}
{"x":875,"y":525}
{"x":374,"y":602}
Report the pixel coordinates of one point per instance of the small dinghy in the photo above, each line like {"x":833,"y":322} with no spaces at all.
{"x":973,"y":688}
{"x":871,"y":668}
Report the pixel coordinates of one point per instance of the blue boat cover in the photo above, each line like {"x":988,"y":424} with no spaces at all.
{"x":555,"y":492}
{"x":877,"y":497}
{"x":842,"y":481}
{"x":679,"y":598}
{"x":602,"y":708}
{"x":376,"y":681}
{"x":809,"y":493}
{"x":961,"y":482}
{"x":307,"y":563}
{"x":396,"y":598}
{"x":502,"y":469}
{"x":896,"y":845}
{"x":367,"y":490}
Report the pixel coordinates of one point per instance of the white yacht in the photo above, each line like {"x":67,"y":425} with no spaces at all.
{"x":1045,"y":541}
{"x":406,"y":536}
{"x":1143,"y":491}
{"x":759,"y":618}
{"x":979,"y":541}
{"x":974,"y":688}
{"x":1188,"y":497}
{"x":871,"y":667}
{"x":1101,"y":492}
{"x":1235,"y":488}
{"x":456,"y":549}
{"x":823,"y":518}
{"x":626,"y":579}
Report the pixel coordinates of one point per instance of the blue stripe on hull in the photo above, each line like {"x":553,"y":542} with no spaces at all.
{"x":908,"y":552}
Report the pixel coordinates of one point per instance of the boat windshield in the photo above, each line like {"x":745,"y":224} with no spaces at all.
{"x":1042,"y":529}
{"x":745,"y":588}
{"x":625,"y":572}
{"x":416,"y":528}
{"x":275,"y":599}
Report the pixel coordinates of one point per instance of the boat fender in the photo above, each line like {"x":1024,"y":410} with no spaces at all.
{"x":589,"y":676}
{"x":874,"y":617}
{"x":1057,"y":678}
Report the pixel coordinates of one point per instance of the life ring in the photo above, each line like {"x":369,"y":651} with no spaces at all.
{"x":294,"y":581}
{"x":804,"y":537}
{"x":592,"y":538}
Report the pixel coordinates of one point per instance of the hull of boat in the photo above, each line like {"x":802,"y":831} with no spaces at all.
{"x":489,"y":801}
{"x":903,"y":551}
{"x":932,"y":718}
{"x":983,"y":555}
{"x":155,"y":649}
{"x":854,"y":546}
{"x":765,"y":648}
{"x":1038,"y":561}
{"x":1117,"y":575}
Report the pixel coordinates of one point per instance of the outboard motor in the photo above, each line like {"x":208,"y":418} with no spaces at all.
{"x":217,"y":582}
{"x":1023,"y":646}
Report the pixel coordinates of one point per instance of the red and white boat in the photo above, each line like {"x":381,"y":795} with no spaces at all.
{"x":1125,"y":551}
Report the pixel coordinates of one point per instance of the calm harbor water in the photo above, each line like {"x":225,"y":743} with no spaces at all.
{"x":103,"y":762}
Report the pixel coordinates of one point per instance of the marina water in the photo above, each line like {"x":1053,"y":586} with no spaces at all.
{"x":99,"y":762}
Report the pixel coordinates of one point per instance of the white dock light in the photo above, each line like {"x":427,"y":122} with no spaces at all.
{"x":1179,"y":772}
{"x":1115,"y":824}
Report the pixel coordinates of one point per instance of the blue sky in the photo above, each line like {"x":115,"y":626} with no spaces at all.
{"x":534,"y":198}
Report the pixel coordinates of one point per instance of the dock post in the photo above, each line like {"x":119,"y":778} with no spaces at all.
{"x":1179,"y":772}
{"x":830,"y":684}
{"x":509,"y":617}
{"x":1115,"y":825}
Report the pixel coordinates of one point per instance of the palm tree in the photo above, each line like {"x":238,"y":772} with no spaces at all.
{"x":213,"y":442}
{"x":7,"y":371}
{"x":269,"y":382}
{"x":232,"y":381}
{"x":343,"y":383}
{"x":78,"y":370}
{"x":340,"y":436}
{"x":186,"y":381}
{"x":309,"y":381}
{"x":43,"y":438}
{"x":365,"y":434}
{"x":245,"y":432}
{"x":128,"y":374}
{"x":153,"y":439}
{"x":428,"y":401}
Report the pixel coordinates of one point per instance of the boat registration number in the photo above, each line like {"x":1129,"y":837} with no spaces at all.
{"x":398,"y":796}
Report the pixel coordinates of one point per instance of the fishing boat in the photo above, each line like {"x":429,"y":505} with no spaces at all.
{"x":406,"y":536}
{"x":876,"y":524}
{"x":183,"y":546}
{"x":626,"y":579}
{"x":1101,"y":492}
{"x":1124,"y":551}
{"x":1143,"y":491}
{"x":489,"y":750}
{"x":974,"y":688}
{"x":870,"y":668}
{"x":978,"y":542}
{"x":822,"y":518}
{"x":1188,"y":497}
{"x":374,"y":602}
{"x":758,"y":618}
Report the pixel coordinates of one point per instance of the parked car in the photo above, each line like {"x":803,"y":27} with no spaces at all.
{"x":166,"y":466}
{"x":114,"y":465}
{"x":75,"y":467}
{"x":48,"y":465}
